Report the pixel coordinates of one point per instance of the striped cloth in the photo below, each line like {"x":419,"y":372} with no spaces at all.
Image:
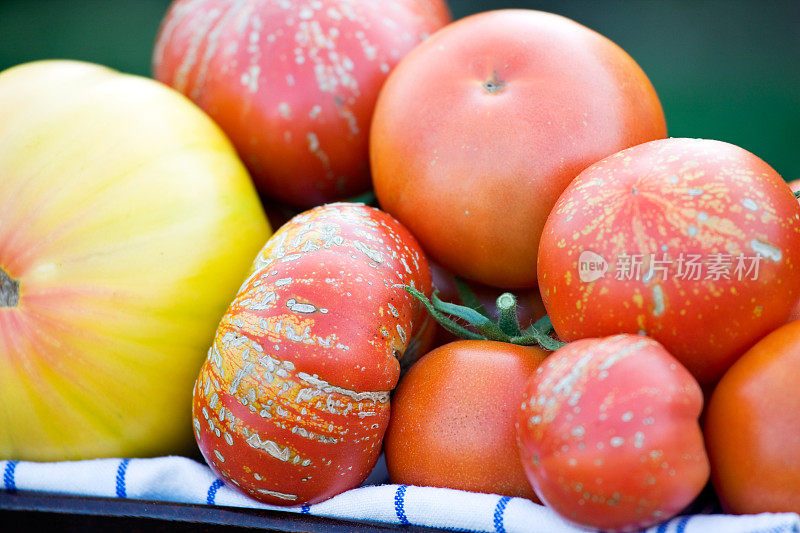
{"x":178,"y":479}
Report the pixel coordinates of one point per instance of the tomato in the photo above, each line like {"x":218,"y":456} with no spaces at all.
{"x":126,"y":224}
{"x":293,"y":82}
{"x":453,"y":417}
{"x":752,"y":430}
{"x":293,"y":399}
{"x":480,"y":128}
{"x":694,"y":242}
{"x":529,"y":303}
{"x":609,"y":433}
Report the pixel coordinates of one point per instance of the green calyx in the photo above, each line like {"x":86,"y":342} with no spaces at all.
{"x":505,"y":329}
{"x":797,"y":194}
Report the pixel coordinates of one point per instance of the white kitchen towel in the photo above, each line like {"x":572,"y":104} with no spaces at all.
{"x":178,"y":479}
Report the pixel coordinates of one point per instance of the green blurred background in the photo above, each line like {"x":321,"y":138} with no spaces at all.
{"x":724,"y":69}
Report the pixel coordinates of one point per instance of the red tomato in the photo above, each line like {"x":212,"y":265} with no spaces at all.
{"x":752,"y":428}
{"x":718,"y":226}
{"x":293,"y":400}
{"x":453,"y":416}
{"x":482,"y":126}
{"x":293,"y":82}
{"x":529,"y":303}
{"x":609,"y":433}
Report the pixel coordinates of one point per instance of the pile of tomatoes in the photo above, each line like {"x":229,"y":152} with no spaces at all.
{"x":516,"y":150}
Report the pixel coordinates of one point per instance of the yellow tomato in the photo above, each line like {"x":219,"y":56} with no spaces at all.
{"x":127,"y":223}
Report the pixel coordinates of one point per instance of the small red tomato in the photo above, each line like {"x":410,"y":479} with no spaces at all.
{"x":529,"y":303}
{"x":293,"y":83}
{"x":453,"y":416}
{"x":609,"y":433}
{"x":480,"y":128}
{"x":752,"y":428}
{"x":293,"y":399}
{"x":694,"y":242}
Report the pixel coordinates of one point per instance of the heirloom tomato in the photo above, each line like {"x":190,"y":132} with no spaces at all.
{"x":480,"y":128}
{"x":694,"y":242}
{"x":293,"y":82}
{"x":293,"y":399}
{"x":126,"y":224}
{"x":453,"y":416}
{"x":609,"y":433}
{"x":752,"y":428}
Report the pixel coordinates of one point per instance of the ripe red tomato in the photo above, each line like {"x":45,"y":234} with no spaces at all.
{"x":752,"y":428}
{"x":609,"y":433}
{"x":480,"y":128}
{"x":529,"y":303}
{"x":453,"y":417}
{"x":293,"y":82}
{"x":293,"y":400}
{"x":694,"y":242}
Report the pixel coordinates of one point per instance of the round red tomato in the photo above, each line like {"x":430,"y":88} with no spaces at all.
{"x":453,"y":415}
{"x":694,"y":242}
{"x":482,"y":126}
{"x":609,"y":433}
{"x":293,"y":82}
{"x":752,"y":428}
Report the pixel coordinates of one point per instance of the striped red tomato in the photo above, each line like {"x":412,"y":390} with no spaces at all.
{"x":609,"y":433}
{"x":694,"y":242}
{"x":293,"y":82}
{"x":293,"y":400}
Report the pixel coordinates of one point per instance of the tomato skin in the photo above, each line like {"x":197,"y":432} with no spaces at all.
{"x":752,"y":429}
{"x":675,"y":196}
{"x":293,"y":400}
{"x":609,"y":434}
{"x":453,"y":416}
{"x":293,"y":83}
{"x":473,"y":172}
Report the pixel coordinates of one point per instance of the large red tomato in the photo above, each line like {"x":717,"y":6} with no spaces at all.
{"x":481,"y":127}
{"x":293,"y":399}
{"x":453,"y":417}
{"x":694,"y":242}
{"x":609,"y":433}
{"x":752,"y":428}
{"x":293,"y":82}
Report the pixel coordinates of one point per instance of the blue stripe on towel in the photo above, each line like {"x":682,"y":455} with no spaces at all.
{"x":498,"y":514}
{"x":212,"y":491}
{"x":122,"y":491}
{"x":8,"y":476}
{"x":662,"y":527}
{"x":306,"y":509}
{"x":399,"y":503}
{"x":681,"y":527}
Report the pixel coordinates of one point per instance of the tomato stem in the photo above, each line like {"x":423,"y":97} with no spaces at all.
{"x":506,"y":329}
{"x":797,"y":194}
{"x":507,"y":311}
{"x":9,"y":290}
